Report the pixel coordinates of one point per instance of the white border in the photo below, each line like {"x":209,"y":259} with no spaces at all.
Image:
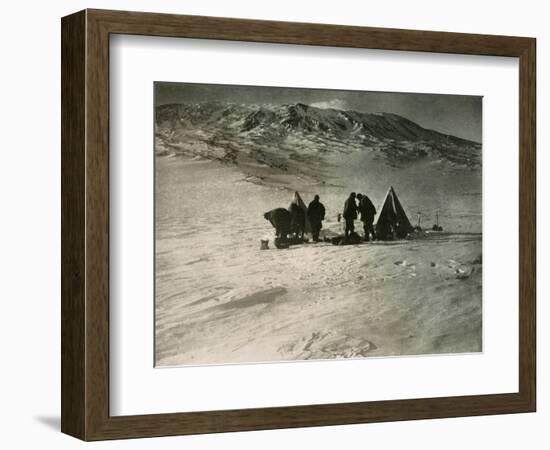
{"x":137,"y":388}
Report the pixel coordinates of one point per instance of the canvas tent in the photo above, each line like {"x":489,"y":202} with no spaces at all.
{"x":392,"y":219}
{"x":297,"y":200}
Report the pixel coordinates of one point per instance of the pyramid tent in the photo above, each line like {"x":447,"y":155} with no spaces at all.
{"x":392,"y":219}
{"x":297,"y":200}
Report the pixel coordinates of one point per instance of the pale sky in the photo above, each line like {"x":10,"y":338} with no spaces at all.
{"x":458,"y":115}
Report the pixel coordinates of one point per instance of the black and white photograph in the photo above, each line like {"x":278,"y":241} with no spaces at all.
{"x":308,"y":224}
{"x":270,"y":225}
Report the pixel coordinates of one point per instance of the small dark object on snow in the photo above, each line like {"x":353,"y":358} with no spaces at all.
{"x":296,"y":240}
{"x":281,"y":243}
{"x":264,"y":244}
{"x":352,"y":239}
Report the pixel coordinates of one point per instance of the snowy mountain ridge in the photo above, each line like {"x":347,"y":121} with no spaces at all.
{"x":274,"y":134}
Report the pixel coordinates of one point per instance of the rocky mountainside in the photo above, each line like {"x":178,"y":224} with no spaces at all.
{"x":214,"y":125}
{"x":280,"y":135}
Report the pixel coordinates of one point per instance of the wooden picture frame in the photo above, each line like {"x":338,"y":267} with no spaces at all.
{"x":85,"y":224}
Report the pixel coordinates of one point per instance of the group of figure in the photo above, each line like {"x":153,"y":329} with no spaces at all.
{"x":292,"y":221}
{"x":359,"y":205}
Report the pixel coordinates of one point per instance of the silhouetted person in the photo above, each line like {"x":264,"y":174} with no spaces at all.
{"x":350,"y":214}
{"x":368,"y":211}
{"x":316,"y":215}
{"x":297,"y":221}
{"x":280,"y":219}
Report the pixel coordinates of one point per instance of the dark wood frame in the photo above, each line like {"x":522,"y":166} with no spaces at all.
{"x":85,"y":224}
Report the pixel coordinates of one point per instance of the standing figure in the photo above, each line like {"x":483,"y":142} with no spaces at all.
{"x":368,"y":211}
{"x":297,"y":221}
{"x":350,"y":214}
{"x":316,"y":215}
